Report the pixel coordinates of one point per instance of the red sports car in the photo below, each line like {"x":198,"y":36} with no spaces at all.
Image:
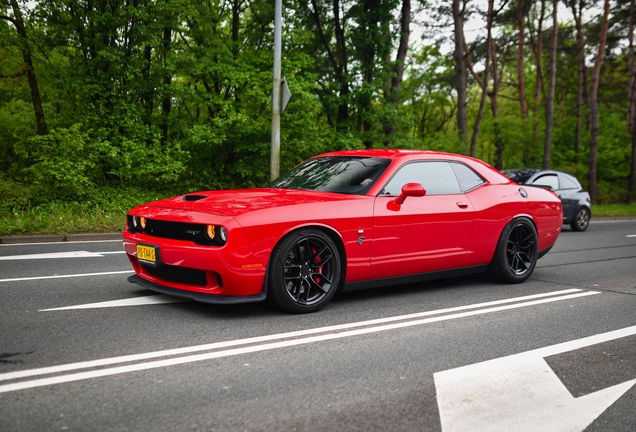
{"x":343,"y":221}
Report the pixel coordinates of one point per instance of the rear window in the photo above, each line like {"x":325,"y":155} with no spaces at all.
{"x":468,"y":179}
{"x":520,"y":176}
{"x":568,"y":182}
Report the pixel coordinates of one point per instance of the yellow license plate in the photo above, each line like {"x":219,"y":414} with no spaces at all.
{"x":147,"y":254}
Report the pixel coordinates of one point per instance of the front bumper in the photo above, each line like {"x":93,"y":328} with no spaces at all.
{"x":197,"y":296}
{"x":199,"y":271}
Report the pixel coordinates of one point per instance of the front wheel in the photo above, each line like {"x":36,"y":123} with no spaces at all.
{"x":581,"y":220}
{"x":517,"y":252}
{"x":305,"y":270}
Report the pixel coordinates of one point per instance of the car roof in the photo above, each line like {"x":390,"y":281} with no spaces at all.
{"x":386,"y":153}
{"x":402,"y":155}
{"x":522,"y":175}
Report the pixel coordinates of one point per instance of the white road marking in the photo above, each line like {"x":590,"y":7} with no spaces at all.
{"x":258,"y":339}
{"x":72,"y":254}
{"x":136,"y":301}
{"x":521,"y":393}
{"x":66,"y":276}
{"x":334,"y":332}
{"x":630,"y":235}
{"x":62,"y":242}
{"x":55,"y":255}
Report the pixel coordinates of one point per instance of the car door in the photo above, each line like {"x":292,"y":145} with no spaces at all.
{"x":568,"y":191}
{"x":424,"y":234}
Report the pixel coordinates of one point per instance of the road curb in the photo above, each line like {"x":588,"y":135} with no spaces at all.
{"x":613,"y":218}
{"x":93,"y":237}
{"x":32,"y":239}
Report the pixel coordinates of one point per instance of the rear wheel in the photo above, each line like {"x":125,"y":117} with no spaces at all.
{"x":517,"y":252}
{"x":304,"y":272}
{"x":581,"y":220}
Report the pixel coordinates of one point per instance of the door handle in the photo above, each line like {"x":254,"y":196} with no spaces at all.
{"x":462,"y":204}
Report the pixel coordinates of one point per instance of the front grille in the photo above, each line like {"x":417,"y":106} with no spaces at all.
{"x":177,"y":231}
{"x":178,"y":274}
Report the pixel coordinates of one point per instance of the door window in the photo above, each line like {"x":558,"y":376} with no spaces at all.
{"x":436,"y":177}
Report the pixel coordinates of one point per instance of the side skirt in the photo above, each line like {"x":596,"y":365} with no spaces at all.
{"x":543,"y":252}
{"x":421,"y":277}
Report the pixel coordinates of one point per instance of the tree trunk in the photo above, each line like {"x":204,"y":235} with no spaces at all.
{"x":147,"y":96}
{"x":460,"y":71}
{"x":632,"y":169}
{"x":484,"y":93}
{"x":594,"y":104}
{"x":166,"y":105}
{"x":18,"y":21}
{"x":521,"y":85}
{"x":631,"y":121}
{"x":367,"y":64}
{"x":538,"y":80}
{"x":549,"y":115}
{"x":342,"y":68}
{"x":483,"y":83}
{"x":337,"y":59}
{"x":581,"y":81}
{"x":631,"y":85}
{"x":494,"y":106}
{"x":395,"y":84}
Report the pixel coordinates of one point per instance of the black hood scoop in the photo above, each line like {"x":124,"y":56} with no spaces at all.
{"x":193,"y":197}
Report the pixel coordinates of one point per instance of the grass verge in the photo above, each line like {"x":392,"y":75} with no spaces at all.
{"x":103,"y":211}
{"x":613,"y":210}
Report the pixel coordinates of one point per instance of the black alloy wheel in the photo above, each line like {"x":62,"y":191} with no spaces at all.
{"x":520,"y":248}
{"x":517,"y":252}
{"x":581,"y":220}
{"x":305,"y":272}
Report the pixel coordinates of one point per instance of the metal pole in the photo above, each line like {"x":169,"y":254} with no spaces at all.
{"x":275,"y":155}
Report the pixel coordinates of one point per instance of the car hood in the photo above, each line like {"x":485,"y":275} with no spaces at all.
{"x":237,"y":202}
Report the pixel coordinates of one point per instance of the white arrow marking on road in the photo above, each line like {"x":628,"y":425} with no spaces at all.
{"x":518,"y":392}
{"x":52,"y":255}
{"x":136,"y":301}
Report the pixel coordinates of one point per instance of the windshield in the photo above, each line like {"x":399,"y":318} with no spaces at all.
{"x":341,"y":174}
{"x":520,"y":176}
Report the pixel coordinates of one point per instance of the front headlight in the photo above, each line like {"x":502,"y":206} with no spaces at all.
{"x":218,"y":234}
{"x":211,"y":232}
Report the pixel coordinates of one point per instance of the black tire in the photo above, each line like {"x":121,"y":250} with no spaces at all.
{"x":305,"y":270}
{"x":581,"y":220}
{"x":517,"y":252}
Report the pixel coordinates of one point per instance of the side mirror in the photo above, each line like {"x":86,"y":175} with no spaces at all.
{"x":408,"y":190}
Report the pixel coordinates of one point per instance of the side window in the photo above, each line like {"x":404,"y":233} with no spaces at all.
{"x":548,"y":180}
{"x":468,"y":179}
{"x":436,"y":177}
{"x":568,"y":182}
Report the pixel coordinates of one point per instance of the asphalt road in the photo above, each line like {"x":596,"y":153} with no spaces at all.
{"x":81,"y":349}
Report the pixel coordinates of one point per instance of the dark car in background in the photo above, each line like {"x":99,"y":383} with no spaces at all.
{"x":577,"y":209}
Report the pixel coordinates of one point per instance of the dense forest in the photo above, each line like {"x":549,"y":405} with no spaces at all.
{"x":175,"y":95}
